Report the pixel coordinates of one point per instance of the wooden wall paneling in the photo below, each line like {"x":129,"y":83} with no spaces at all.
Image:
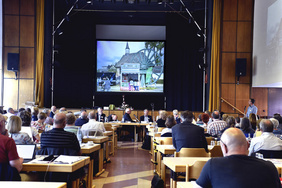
{"x":247,"y":78}
{"x":242,"y":96}
{"x":261,"y":97}
{"x":8,"y":74}
{"x":27,"y":7}
{"x":26,"y":63}
{"x":27,"y":31}
{"x":228,"y":93}
{"x":11,"y":6}
{"x":229,"y":36}
{"x":244,"y":37}
{"x":229,"y":9}
{"x":245,"y":10}
{"x":10,"y":98}
{"x":228,"y":67}
{"x":26,"y":91}
{"x":119,"y":114}
{"x":11,"y":30}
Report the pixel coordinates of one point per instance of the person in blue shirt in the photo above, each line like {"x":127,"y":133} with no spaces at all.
{"x":252,"y":108}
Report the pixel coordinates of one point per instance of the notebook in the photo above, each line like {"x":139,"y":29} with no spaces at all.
{"x":26,"y":151}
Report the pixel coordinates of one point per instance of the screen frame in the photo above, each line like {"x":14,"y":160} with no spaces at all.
{"x":127,"y":92}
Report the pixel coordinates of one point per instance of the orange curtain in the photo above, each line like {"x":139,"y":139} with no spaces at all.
{"x":39,"y":79}
{"x":215,"y":56}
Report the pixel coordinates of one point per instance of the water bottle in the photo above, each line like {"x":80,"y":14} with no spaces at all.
{"x":122,"y":120}
{"x":79,"y":135}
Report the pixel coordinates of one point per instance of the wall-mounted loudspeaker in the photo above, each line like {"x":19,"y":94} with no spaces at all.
{"x":241,"y":64}
{"x":13,"y":62}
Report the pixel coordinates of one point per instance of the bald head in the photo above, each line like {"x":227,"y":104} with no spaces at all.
{"x":266,"y":125}
{"x":233,"y":142}
{"x":83,"y":115}
{"x":60,"y":120}
{"x":92,"y":115}
{"x":215,"y":114}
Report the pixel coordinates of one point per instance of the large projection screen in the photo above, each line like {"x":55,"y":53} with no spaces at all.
{"x":267,"y":44}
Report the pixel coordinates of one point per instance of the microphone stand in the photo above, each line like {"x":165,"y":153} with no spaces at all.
{"x":152,"y":105}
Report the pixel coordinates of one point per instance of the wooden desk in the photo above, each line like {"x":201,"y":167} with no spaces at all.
{"x":51,"y":167}
{"x":98,"y":140}
{"x":33,"y":184}
{"x":89,"y":150}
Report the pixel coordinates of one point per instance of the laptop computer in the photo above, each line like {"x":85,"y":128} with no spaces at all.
{"x":26,"y":151}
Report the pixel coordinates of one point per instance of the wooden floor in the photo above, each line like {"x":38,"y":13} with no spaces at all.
{"x":129,"y":168}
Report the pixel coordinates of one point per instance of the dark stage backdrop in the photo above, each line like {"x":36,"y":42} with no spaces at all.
{"x":75,"y":66}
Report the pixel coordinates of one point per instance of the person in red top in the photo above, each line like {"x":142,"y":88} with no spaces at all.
{"x":8,"y":150}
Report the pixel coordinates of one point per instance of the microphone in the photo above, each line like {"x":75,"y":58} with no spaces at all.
{"x":136,"y":117}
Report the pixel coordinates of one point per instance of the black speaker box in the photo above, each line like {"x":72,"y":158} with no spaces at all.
{"x":241,"y":64}
{"x":13,"y":62}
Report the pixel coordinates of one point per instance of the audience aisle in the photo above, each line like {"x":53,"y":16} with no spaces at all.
{"x":129,"y":168}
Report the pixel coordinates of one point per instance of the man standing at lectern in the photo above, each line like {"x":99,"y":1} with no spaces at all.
{"x":252,"y":108}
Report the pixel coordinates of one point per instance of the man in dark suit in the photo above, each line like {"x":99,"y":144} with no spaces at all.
{"x":126,"y":117}
{"x":100,"y":116}
{"x":146,"y":117}
{"x":188,"y":135}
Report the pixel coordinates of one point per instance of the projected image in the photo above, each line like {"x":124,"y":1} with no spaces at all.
{"x":125,"y":66}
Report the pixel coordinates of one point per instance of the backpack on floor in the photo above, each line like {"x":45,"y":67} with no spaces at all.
{"x":157,"y":182}
{"x":147,"y":143}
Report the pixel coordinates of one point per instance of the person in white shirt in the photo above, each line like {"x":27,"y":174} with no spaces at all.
{"x":267,"y":140}
{"x":93,"y":124}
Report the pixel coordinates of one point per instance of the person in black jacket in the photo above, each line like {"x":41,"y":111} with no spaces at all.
{"x":100,"y":116}
{"x":188,"y":135}
{"x":146,"y":117}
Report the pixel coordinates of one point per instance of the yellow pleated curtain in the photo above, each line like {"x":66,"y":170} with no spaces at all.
{"x":214,"y":100}
{"x":39,"y":78}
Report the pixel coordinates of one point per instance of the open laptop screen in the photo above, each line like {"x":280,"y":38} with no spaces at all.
{"x":26,"y":151}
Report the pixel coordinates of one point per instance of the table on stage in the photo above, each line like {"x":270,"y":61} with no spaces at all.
{"x":130,"y":124}
{"x":33,"y":184}
{"x":89,"y":150}
{"x":39,"y":166}
{"x":99,"y":140}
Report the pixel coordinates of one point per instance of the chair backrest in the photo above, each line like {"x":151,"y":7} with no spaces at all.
{"x":166,"y":141}
{"x":194,"y":171}
{"x":216,"y":151}
{"x":160,"y":129}
{"x":209,"y":139}
{"x":9,"y":173}
{"x":276,"y":154}
{"x":92,"y":132}
{"x":192,"y":152}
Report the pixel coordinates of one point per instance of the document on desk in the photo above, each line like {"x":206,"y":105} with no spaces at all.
{"x":65,"y":159}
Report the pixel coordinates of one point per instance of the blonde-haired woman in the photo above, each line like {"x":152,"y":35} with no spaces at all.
{"x":14,"y":128}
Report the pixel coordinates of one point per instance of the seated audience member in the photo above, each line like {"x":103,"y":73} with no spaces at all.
{"x":14,"y":128}
{"x":9,"y":154}
{"x":267,"y":141}
{"x":253,"y":121}
{"x":188,"y":135}
{"x":126,"y":117}
{"x":58,"y":141}
{"x":39,"y":124}
{"x":275,"y":125}
{"x":279,"y":118}
{"x":236,"y":169}
{"x":34,"y":113}
{"x":224,"y":117}
{"x":20,"y":110}
{"x":205,"y":118}
{"x":53,"y":111}
{"x":82,"y":119}
{"x":159,"y":115}
{"x":216,"y":125}
{"x":146,"y":117}
{"x":48,"y":120}
{"x":246,"y":127}
{"x":200,"y":121}
{"x":100,"y":116}
{"x":237,"y":122}
{"x":169,"y":123}
{"x":94,"y":125}
{"x":176,"y":116}
{"x":26,"y":120}
{"x":29,"y":110}
{"x":63,"y":110}
{"x":230,"y":121}
{"x":210,"y":117}
{"x":10,"y":112}
{"x":161,"y":122}
{"x":70,"y":127}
